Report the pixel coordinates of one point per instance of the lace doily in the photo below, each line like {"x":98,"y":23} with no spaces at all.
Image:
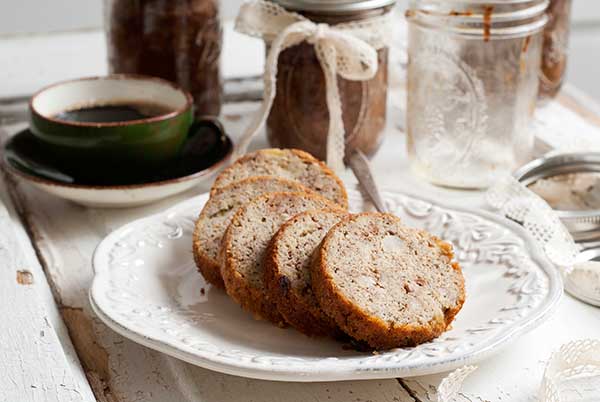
{"x":574,"y":359}
{"x":348,"y":50}
{"x":518,"y":203}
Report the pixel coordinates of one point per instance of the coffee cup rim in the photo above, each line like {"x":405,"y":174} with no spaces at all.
{"x":132,"y":77}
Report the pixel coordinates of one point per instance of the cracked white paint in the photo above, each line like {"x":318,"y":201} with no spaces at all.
{"x":34,"y":366}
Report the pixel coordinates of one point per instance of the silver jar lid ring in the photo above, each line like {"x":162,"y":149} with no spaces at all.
{"x":583,"y":221}
{"x":500,"y":19}
{"x":334,"y":6}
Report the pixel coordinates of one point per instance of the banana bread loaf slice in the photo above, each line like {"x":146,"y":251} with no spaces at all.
{"x":217,"y":213}
{"x":246,"y":241}
{"x":291,"y":164}
{"x":287,"y":270}
{"x":387,"y":284}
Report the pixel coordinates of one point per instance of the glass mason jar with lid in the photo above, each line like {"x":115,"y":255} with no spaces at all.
{"x":472,"y":87}
{"x":178,"y":40}
{"x":299,"y":117}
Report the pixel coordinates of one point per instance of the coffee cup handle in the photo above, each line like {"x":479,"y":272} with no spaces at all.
{"x":206,"y":122}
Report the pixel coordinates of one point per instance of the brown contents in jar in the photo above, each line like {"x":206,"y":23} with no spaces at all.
{"x":178,"y":40}
{"x":554,"y":53}
{"x":300,"y":118}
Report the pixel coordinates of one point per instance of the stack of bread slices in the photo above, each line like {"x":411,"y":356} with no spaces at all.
{"x":277,"y":236}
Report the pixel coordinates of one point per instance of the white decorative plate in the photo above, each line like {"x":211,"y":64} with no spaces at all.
{"x":147,"y":289}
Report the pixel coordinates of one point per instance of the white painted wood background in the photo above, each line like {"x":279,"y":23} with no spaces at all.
{"x":63,"y":236}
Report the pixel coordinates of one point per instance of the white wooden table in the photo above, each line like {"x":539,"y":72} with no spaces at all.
{"x":53,"y":348}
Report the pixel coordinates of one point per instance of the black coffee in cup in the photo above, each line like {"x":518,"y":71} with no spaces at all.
{"x":114,"y":113}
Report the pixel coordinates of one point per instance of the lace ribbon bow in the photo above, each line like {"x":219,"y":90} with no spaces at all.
{"x":348,"y":50}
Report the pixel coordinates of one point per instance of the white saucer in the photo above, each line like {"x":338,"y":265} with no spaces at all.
{"x":117,"y":196}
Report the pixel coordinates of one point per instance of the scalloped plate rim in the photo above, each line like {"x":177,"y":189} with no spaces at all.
{"x":310,"y":371}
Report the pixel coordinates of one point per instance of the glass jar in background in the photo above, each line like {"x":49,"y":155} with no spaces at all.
{"x":555,"y":51}
{"x":472,"y":88}
{"x":178,"y":40}
{"x":299,"y":116}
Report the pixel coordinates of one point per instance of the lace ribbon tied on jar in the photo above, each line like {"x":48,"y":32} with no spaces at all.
{"x":348,"y":50}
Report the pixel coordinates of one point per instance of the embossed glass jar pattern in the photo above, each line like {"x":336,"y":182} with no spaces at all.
{"x":472,"y":88}
{"x":178,"y":40}
{"x":299,"y":116}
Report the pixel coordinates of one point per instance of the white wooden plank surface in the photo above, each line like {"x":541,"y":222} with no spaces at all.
{"x":65,"y":236}
{"x":35,"y":364}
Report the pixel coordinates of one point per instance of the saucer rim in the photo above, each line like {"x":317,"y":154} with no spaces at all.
{"x":10,"y":167}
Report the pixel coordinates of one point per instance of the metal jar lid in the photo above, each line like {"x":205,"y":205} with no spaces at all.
{"x":584,"y":225}
{"x":493,"y":19}
{"x":334,"y":6}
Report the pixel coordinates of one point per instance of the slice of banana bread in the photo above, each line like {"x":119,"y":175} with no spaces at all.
{"x":217,"y":213}
{"x":291,"y":164}
{"x":287,"y":270}
{"x":246,"y":241}
{"x":387,"y":284}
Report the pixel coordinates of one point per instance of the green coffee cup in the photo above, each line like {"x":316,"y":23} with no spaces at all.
{"x":113,"y":129}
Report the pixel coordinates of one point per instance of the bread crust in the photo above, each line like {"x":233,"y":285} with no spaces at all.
{"x":306,"y":317}
{"x":358,"y":323}
{"x":341,"y":199}
{"x":210,"y":267}
{"x":256,"y":301}
{"x":210,"y":270}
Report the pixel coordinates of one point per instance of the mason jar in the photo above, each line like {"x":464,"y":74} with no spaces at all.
{"x":472,"y":88}
{"x":555,"y":50}
{"x":178,"y":40}
{"x":299,"y":117}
